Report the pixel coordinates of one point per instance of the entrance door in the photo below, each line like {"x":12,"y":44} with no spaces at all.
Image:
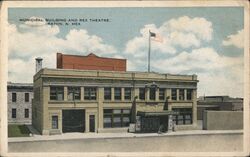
{"x":73,"y":121}
{"x":92,"y":123}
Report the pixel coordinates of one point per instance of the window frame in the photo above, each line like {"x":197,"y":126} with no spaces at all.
{"x":127,"y":93}
{"x":142,"y":93}
{"x":27,"y":97}
{"x":14,"y":97}
{"x":173,"y":96}
{"x":76,"y":93}
{"x":13,"y":113}
{"x":26,"y":113}
{"x":54,"y":122}
{"x":107,"y":93}
{"x":111,"y":115}
{"x":181,"y":94}
{"x":152,"y":93}
{"x":191,"y":94}
{"x":117,"y":95}
{"x":162,"y":97}
{"x":90,"y":93}
{"x":57,"y":90}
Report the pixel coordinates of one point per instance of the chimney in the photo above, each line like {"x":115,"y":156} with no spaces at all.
{"x":38,"y":64}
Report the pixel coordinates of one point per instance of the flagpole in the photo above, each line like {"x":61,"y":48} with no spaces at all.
{"x":149,"y":47}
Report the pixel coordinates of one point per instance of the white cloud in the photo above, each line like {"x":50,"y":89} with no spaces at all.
{"x":218,"y":75}
{"x":236,"y":40}
{"x":184,"y":32}
{"x":32,"y":39}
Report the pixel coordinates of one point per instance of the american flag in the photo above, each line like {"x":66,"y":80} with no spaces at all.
{"x":156,"y":37}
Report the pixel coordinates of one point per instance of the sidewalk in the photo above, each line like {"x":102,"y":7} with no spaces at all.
{"x":67,"y":136}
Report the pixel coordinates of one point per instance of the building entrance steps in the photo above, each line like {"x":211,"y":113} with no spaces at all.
{"x":78,"y":135}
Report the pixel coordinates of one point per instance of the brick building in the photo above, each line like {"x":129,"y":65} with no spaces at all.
{"x":90,"y":62}
{"x":73,"y":100}
{"x":19,"y":103}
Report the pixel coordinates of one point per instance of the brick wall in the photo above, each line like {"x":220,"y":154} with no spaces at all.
{"x":90,"y":62}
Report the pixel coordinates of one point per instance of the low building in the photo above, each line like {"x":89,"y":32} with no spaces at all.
{"x":20,"y":96}
{"x":72,"y":100}
{"x":218,"y":103}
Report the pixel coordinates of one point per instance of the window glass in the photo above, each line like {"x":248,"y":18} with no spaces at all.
{"x":56,"y":93}
{"x":13,"y":97}
{"x":107,"y":121}
{"x":181,"y":94}
{"x":13,"y":113}
{"x":189,"y":94}
{"x":118,"y":94}
{"x":184,"y":117}
{"x":161,"y":94}
{"x":116,"y":111}
{"x":127,"y":95}
{"x":117,"y":121}
{"x":74,"y":93}
{"x":107,"y":93}
{"x":173,"y":94}
{"x":142,"y":93}
{"x":26,"y":95}
{"x":126,"y":111}
{"x":90,"y":93}
{"x":54,"y":122}
{"x":116,"y":118}
{"x":152,"y":93}
{"x":26,"y":113}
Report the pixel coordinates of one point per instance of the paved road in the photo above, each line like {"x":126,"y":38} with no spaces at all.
{"x":183,"y":143}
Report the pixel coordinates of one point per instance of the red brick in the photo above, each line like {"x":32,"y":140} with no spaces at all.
{"x":90,"y":62}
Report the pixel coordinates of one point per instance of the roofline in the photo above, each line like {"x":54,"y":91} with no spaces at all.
{"x":89,"y":54}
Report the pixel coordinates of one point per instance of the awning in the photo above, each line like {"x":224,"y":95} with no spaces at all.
{"x":163,"y":113}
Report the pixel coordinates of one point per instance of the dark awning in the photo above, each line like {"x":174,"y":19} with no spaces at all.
{"x":162,"y":113}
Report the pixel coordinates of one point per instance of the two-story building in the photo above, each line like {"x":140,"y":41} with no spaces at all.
{"x":73,"y":100}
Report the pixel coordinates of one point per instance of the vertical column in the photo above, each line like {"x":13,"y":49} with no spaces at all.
{"x":100,"y":107}
{"x":65,"y":93}
{"x":194,"y":98}
{"x":86,"y":121}
{"x":112,"y":94}
{"x":177,"y":94}
{"x":136,"y":93}
{"x":45,"y":119}
{"x":122,"y":94}
{"x":157,"y":94}
{"x":168,"y":93}
{"x":185,"y":94}
{"x":147,"y":94}
{"x":82,"y":93}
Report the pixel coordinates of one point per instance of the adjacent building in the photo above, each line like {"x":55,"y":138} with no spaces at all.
{"x":77,"y":100}
{"x":218,"y":103}
{"x":20,"y":96}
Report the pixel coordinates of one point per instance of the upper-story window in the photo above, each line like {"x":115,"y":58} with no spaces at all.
{"x":13,"y":97}
{"x":173,"y":94}
{"x":189,"y":94}
{"x":142,"y":93}
{"x":152,"y":93}
{"x":74,"y":93}
{"x":90,"y":93}
{"x":118,"y":93}
{"x":181,"y":94}
{"x":56,"y":93}
{"x":26,"y":113}
{"x":127,"y":95}
{"x":13,"y":113}
{"x":27,"y":97}
{"x":161,"y":93}
{"x":107,"y":93}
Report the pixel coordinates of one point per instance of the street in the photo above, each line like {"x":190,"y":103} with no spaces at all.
{"x":178,"y":143}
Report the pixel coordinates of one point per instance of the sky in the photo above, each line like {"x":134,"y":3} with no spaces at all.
{"x":206,"y":41}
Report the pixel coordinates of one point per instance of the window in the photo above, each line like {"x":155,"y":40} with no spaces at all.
{"x":56,"y":93}
{"x":107,"y":93}
{"x":142,"y":93}
{"x":181,"y":94}
{"x":74,"y":93}
{"x":173,"y":94}
{"x":118,"y":94}
{"x":27,"y":97}
{"x":189,"y":94}
{"x":114,"y":118}
{"x":13,"y":113}
{"x":184,"y":117}
{"x":90,"y":93}
{"x":54,"y":122}
{"x":13,"y":97}
{"x":26,"y":113}
{"x":127,"y":95}
{"x":161,"y":94}
{"x":152,"y":93}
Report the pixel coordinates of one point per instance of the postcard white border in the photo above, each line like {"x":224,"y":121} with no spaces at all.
{"x":73,"y":4}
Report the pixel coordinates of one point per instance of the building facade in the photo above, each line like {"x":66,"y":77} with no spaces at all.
{"x":218,"y":103}
{"x":90,"y":62}
{"x":20,"y":97}
{"x":70,"y":100}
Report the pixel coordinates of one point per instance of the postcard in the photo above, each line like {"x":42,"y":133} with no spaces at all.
{"x":125,"y":78}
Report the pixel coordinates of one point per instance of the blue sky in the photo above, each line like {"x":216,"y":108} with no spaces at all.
{"x":211,"y":33}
